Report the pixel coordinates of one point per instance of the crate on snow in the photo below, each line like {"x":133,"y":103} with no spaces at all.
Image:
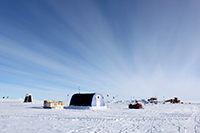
{"x":52,"y":104}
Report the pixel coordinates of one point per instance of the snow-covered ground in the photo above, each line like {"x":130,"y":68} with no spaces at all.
{"x":19,"y":117}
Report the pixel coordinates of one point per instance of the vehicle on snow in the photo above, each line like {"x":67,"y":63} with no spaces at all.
{"x":153,"y":100}
{"x":51,"y":104}
{"x":175,"y":100}
{"x":136,"y":105}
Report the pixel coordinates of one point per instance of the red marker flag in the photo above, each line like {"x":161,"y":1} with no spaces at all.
{"x":107,"y":95}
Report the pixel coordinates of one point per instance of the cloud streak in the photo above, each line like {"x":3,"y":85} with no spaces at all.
{"x":122,"y":48}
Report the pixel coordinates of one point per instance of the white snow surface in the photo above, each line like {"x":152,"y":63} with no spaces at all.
{"x":19,"y":117}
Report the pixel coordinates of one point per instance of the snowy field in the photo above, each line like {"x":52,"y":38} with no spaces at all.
{"x":19,"y":117}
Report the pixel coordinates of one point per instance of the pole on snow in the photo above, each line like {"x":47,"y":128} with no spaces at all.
{"x":107,"y":100}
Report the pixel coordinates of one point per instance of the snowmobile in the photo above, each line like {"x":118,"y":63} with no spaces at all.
{"x":136,"y":105}
{"x":153,"y":100}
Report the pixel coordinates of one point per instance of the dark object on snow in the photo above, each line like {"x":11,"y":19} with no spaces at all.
{"x":135,"y":106}
{"x":28,"y":98}
{"x":175,"y":100}
{"x":153,"y":100}
{"x":88,"y":99}
{"x":3,"y":97}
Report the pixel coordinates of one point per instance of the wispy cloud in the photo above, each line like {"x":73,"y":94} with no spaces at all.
{"x":112,"y":48}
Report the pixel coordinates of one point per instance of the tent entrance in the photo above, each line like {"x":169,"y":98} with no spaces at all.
{"x":98,"y":100}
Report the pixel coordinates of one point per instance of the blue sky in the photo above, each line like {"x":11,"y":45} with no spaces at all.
{"x":127,"y":48}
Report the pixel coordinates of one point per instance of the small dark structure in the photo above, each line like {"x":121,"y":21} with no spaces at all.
{"x":175,"y":100}
{"x":87,"y":99}
{"x":28,"y":98}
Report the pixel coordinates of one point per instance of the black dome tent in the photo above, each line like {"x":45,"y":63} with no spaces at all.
{"x":87,"y":99}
